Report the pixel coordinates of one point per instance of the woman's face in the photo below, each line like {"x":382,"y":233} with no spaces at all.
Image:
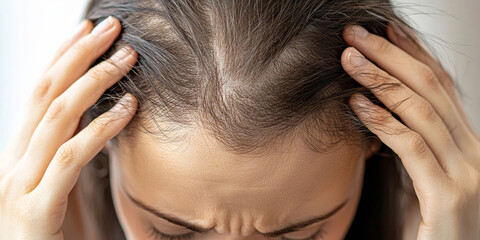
{"x":182,"y":188}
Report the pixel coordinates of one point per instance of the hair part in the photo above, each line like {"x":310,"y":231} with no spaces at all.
{"x":251,"y":73}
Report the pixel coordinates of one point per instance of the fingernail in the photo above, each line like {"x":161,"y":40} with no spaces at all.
{"x":103,"y":26}
{"x":356,"y":58}
{"x":121,"y":54}
{"x":359,"y":31}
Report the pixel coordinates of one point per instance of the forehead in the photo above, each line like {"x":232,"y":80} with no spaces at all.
{"x":198,"y":175}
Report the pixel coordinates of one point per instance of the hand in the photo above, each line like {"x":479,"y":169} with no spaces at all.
{"x":41,"y":165}
{"x":437,"y":146}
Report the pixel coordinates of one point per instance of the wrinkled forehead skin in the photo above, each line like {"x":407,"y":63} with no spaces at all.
{"x":199,"y":181}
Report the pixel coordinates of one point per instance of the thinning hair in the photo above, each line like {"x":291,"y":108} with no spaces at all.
{"x":251,"y":73}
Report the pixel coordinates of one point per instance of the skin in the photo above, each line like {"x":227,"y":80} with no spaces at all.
{"x":437,"y":146}
{"x":40,"y":165}
{"x":236,"y":195}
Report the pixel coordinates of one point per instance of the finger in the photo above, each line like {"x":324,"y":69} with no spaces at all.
{"x":414,"y":111}
{"x":70,"y":66}
{"x":83,"y":29}
{"x":411,"y":72}
{"x":16,"y":147}
{"x":413,"y":46}
{"x":62,"y":173}
{"x":62,"y":118}
{"x":77,"y":59}
{"x":410,"y":146}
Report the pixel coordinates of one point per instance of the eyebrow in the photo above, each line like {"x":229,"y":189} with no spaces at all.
{"x":199,"y":229}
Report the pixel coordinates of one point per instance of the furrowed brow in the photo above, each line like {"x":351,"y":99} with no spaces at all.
{"x":199,"y":229}
{"x":297,"y":226}
{"x":168,"y":217}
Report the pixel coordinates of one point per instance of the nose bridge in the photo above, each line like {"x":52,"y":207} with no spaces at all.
{"x":230,"y":237}
{"x":236,"y":226}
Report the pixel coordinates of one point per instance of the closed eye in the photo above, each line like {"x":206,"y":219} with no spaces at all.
{"x":157,"y":235}
{"x":319,"y":234}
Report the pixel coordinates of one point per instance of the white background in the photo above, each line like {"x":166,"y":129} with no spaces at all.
{"x":31,"y":31}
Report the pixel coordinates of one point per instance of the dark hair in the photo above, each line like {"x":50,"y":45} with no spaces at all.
{"x":251,"y":73}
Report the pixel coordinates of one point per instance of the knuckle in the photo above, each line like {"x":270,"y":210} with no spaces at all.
{"x":83,"y":45}
{"x":429,"y":77}
{"x":95,"y":73}
{"x":425,"y":111}
{"x":376,"y":118}
{"x":417,"y":145}
{"x":382,"y":45}
{"x":111,"y":68}
{"x":377,"y":77}
{"x":382,"y":83}
{"x":56,"y":109}
{"x":65,"y":156}
{"x":98,"y":127}
{"x":380,"y":118}
{"x":102,"y":71}
{"x":42,"y":88}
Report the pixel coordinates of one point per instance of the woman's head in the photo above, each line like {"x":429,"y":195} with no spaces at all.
{"x":200,"y":183}
{"x":243,"y":123}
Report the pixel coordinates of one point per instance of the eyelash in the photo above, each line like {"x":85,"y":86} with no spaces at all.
{"x":162,"y":236}
{"x":320,"y":233}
